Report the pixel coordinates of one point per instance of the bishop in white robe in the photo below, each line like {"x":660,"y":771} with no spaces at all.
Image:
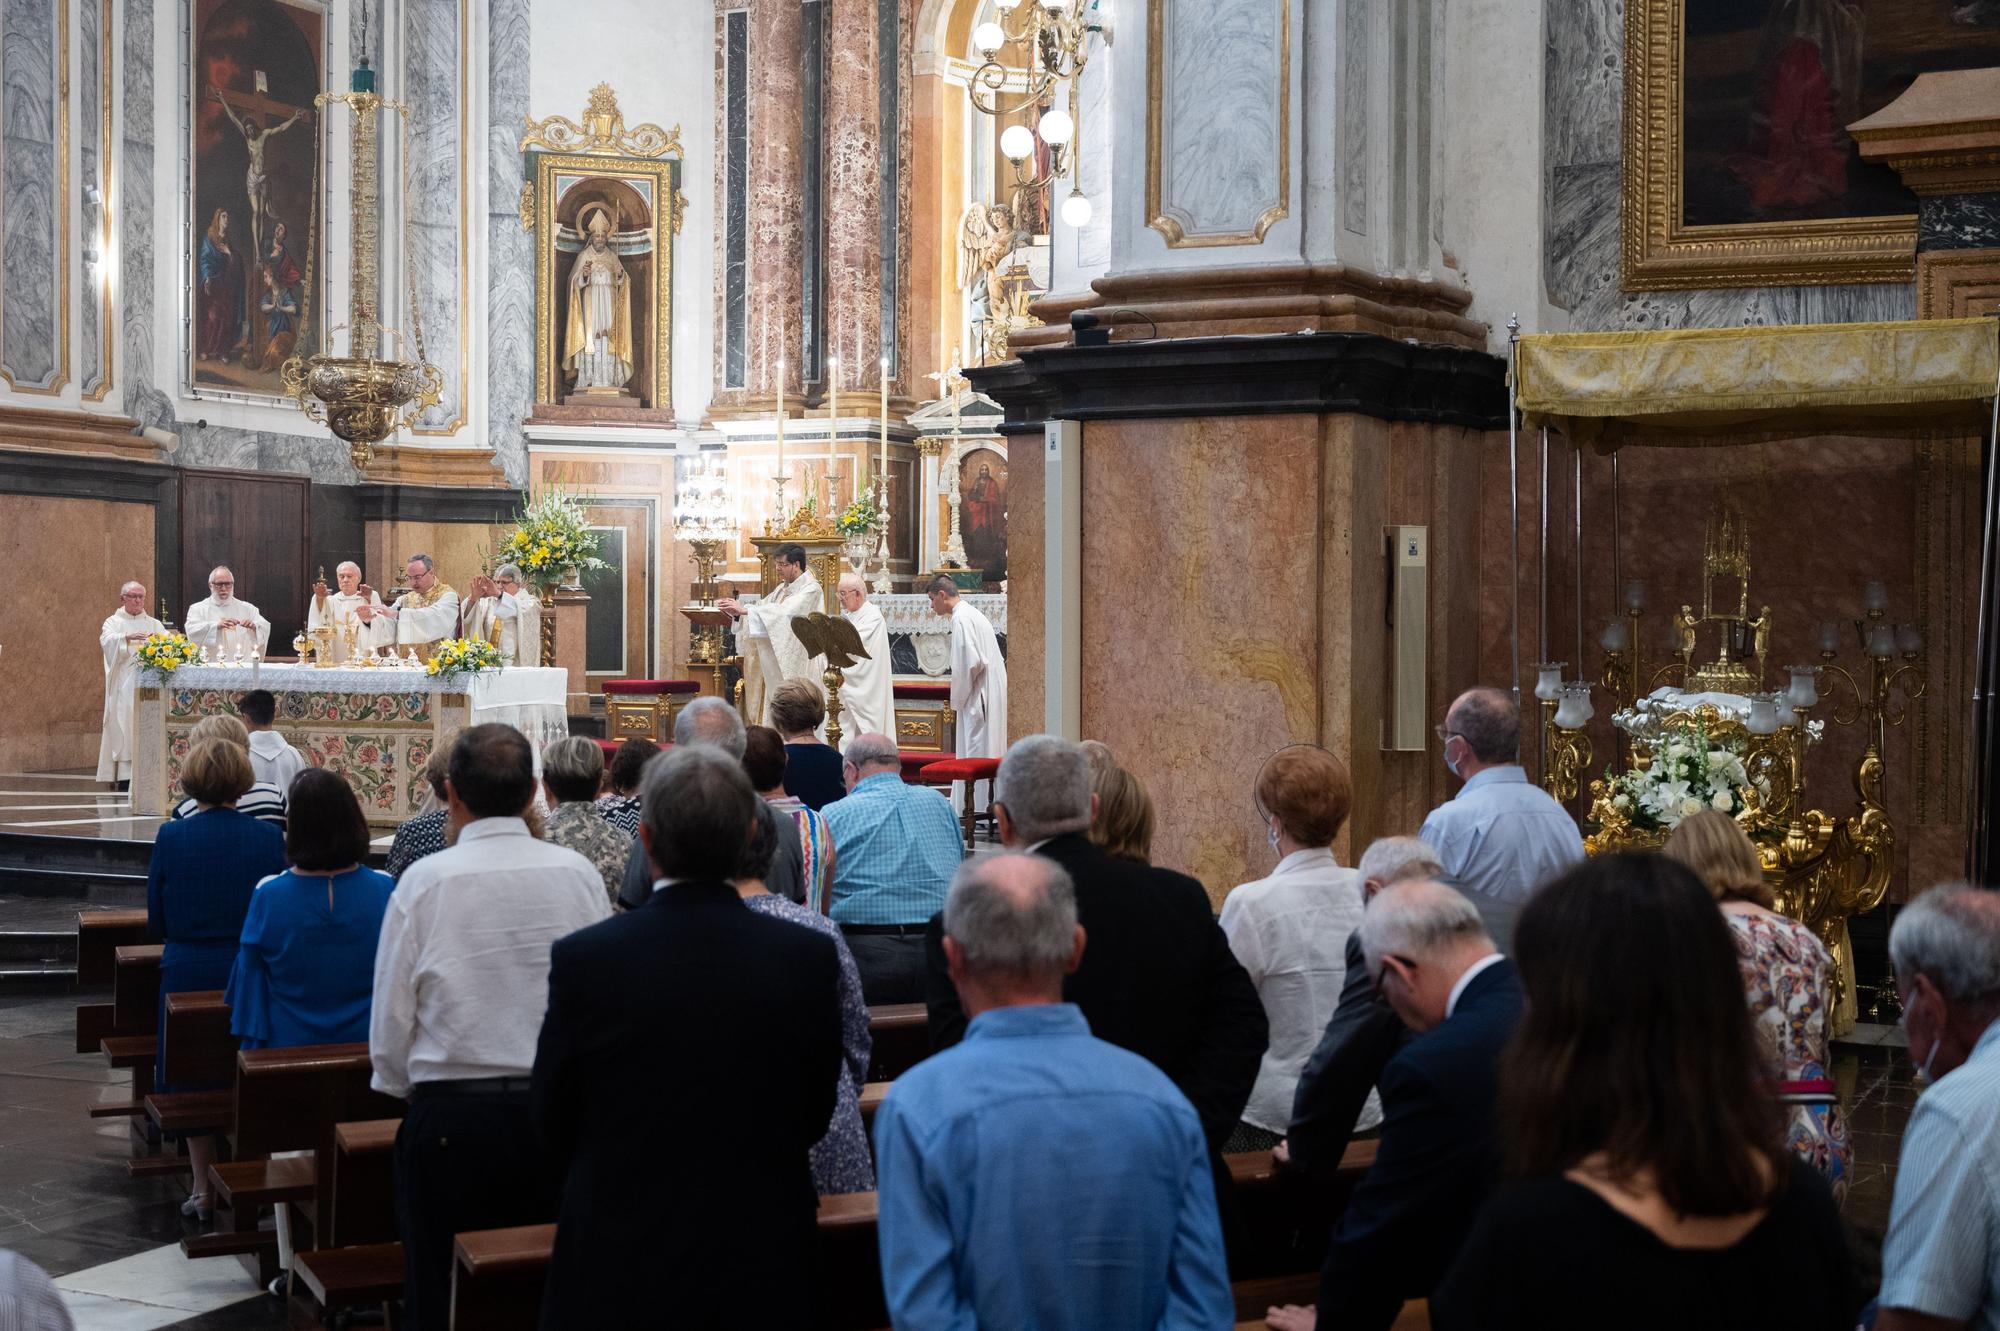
{"x":337,"y":610}
{"x":124,"y":629}
{"x":868,"y":697}
{"x":772,"y":652}
{"x":978,"y":675}
{"x":225,"y":624}
{"x":505,"y":613}
{"x":426,"y":615}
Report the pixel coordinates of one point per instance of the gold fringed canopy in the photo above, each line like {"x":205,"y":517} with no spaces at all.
{"x":1690,"y":386}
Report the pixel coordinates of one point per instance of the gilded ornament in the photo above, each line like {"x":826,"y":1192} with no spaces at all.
{"x":603,"y":132}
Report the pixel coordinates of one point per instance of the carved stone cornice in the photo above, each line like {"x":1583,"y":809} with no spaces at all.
{"x":1942,"y":135}
{"x":403,"y":464}
{"x":76,"y":434}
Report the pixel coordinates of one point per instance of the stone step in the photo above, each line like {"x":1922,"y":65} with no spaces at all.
{"x":32,"y":977}
{"x":38,"y":947}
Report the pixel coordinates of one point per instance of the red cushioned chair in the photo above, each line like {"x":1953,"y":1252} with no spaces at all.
{"x":645,"y":708}
{"x":969,"y":770}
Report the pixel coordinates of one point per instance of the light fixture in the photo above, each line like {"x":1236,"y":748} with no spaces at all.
{"x":1076,"y":211}
{"x":1017,"y":143}
{"x":988,"y":38}
{"x":1055,"y":127}
{"x":1055,"y":34}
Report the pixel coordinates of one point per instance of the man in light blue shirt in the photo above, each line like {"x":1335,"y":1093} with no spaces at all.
{"x":895,"y":848}
{"x":1503,"y":836}
{"x":1941,"y":1259}
{"x":1033,"y":1175}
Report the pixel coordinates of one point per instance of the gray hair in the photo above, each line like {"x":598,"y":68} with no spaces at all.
{"x":126,"y":587}
{"x":1398,"y":859}
{"x":876,"y":750}
{"x":428,"y":563}
{"x":1013,"y":915}
{"x":1490,"y":722}
{"x":511,"y":572}
{"x":1952,"y":934}
{"x":1419,"y":920}
{"x":346,"y":563}
{"x":697,"y":807}
{"x":573,"y":766}
{"x":710,"y":720}
{"x":1045,"y":783}
{"x":860,"y":583}
{"x":220,"y":568}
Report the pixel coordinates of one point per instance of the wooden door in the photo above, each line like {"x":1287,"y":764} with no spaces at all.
{"x":257,"y":525}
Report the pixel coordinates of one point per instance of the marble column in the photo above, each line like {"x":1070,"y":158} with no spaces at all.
{"x":854,"y":147}
{"x":774,"y":223}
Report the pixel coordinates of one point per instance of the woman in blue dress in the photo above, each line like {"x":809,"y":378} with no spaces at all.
{"x":204,"y":869}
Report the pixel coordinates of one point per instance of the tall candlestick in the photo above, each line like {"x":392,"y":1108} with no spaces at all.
{"x":832,"y":401}
{"x":883,"y":470}
{"x":781,"y":415}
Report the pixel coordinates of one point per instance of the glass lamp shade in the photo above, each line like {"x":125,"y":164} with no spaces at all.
{"x":1017,"y":143}
{"x":1055,"y":127}
{"x":1005,"y":5}
{"x":1763,"y":718}
{"x":1055,"y":6}
{"x":1909,"y":639}
{"x":1804,"y":692}
{"x":1549,"y":680}
{"x":1881,"y":641}
{"x":1575,"y":711}
{"x":1076,"y":211}
{"x":1617,"y":637}
{"x":1635,"y":595}
{"x":988,"y":38}
{"x":1829,"y":637}
{"x":1875,"y":597}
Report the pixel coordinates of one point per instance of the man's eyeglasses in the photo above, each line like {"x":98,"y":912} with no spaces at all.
{"x":1445,"y":736}
{"x":1375,"y":979}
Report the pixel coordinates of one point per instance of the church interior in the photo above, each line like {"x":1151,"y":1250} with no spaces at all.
{"x":429,"y":365}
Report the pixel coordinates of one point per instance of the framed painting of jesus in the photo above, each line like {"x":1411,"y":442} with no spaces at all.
{"x":1739,"y":170}
{"x":255,"y":278}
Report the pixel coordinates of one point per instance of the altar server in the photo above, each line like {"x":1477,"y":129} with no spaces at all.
{"x":336,"y":610}
{"x":124,"y":629}
{"x":225,"y":624}
{"x":772,"y":652}
{"x":868,"y":698}
{"x":426,"y":615}
{"x":504,"y":612}
{"x":978,"y":673}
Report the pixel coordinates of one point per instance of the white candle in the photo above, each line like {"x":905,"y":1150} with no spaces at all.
{"x":832,"y":401}
{"x":883,"y":473}
{"x":781,"y":415}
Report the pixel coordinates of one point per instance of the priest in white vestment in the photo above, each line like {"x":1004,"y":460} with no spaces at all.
{"x":978,"y":676}
{"x":225,"y":624}
{"x":426,"y":615}
{"x":772,"y":652}
{"x":868,"y":697}
{"x":124,"y":629}
{"x":337,"y":610}
{"x":501,"y":610}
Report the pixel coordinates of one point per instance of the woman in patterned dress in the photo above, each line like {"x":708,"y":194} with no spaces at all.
{"x":1788,"y":979}
{"x":764,"y":760}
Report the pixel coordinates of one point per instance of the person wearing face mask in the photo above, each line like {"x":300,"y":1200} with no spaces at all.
{"x":1941,"y":1259}
{"x":1291,"y":930}
{"x":1502,"y":836}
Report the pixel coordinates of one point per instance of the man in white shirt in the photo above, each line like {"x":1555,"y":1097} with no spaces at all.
{"x":223,"y":624}
{"x":274,"y":761}
{"x":461,"y":984}
{"x":503,"y":612}
{"x":118,"y":639}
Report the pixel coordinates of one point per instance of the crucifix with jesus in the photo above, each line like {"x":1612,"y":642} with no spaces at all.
{"x":257,"y":117}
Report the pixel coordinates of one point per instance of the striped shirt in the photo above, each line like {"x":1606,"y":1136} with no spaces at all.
{"x":260,"y":801}
{"x":28,"y":1298}
{"x":816,"y":848}
{"x":1942,"y":1254}
{"x":896,"y":847}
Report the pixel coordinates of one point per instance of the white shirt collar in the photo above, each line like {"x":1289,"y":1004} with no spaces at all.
{"x":1305,"y":857}
{"x":659,"y":883}
{"x":486,"y":827}
{"x":1451,"y":1000}
{"x":1034,"y":846}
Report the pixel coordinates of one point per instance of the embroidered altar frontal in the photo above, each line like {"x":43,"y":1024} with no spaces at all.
{"x":376,"y":727}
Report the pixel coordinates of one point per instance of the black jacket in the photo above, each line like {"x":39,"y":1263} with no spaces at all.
{"x":1438,"y":1160}
{"x":1361,"y":1037}
{"x":685,"y":1069}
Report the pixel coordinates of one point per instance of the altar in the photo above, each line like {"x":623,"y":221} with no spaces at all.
{"x":377,"y":727}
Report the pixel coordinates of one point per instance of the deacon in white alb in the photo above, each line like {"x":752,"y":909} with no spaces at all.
{"x":772,"y":652}
{"x":868,"y":698}
{"x":978,"y":674}
{"x":504,"y":612}
{"x":225,"y":624}
{"x":336,"y":610}
{"x":427,"y":614}
{"x":124,"y":629}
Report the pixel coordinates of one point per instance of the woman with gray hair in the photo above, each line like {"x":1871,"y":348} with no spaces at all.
{"x":572,"y":768}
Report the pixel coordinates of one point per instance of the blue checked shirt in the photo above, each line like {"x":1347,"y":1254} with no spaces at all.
{"x":895,"y":848}
{"x":1942,"y":1255}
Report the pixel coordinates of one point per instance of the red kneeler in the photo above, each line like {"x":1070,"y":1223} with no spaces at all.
{"x":969,"y":770}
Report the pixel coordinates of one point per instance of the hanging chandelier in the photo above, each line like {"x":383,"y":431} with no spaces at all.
{"x":362,"y":397}
{"x":1056,"y":34}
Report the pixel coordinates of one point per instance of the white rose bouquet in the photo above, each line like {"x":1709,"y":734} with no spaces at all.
{"x":1688,"y":774}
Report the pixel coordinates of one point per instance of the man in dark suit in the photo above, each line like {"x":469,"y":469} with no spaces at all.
{"x":685,"y":1069}
{"x":1431,"y":959}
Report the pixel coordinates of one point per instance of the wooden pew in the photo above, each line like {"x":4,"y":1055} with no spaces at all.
{"x":200,"y":1051}
{"x":902,"y":1039}
{"x":135,"y":988}
{"x":99,"y":934}
{"x":363,"y":1204}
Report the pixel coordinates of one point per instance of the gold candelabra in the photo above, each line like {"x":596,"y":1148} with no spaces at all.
{"x":1056,"y":37}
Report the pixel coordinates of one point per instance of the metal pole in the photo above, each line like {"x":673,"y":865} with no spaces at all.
{"x":1576,"y":557}
{"x":1978,"y":865}
{"x":1514,"y":487}
{"x":1617,"y":571}
{"x":1542,"y":584}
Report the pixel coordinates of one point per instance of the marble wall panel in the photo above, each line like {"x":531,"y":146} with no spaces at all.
{"x":813,"y":16}
{"x":143,"y":399}
{"x":1027,"y":594}
{"x":435,"y":211}
{"x":1222,"y":104}
{"x":33,"y":45}
{"x":1355,"y":19}
{"x":776,"y":240}
{"x":92,"y":105}
{"x":854,"y":183}
{"x":1958,"y":222}
{"x":49,"y":627}
{"x":510,"y":251}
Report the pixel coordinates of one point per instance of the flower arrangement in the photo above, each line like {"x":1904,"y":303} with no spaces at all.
{"x":551,"y":535}
{"x":1688,"y":773}
{"x":860,"y":518}
{"x":463,"y":656}
{"x":167,"y":652}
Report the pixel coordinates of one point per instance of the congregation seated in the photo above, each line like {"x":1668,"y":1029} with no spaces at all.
{"x":1941,"y":1259}
{"x":205,"y":867}
{"x":1291,"y":930}
{"x":897,"y":846}
{"x":675,"y":1209}
{"x":259,"y":800}
{"x":813,"y":771}
{"x":572,"y":770}
{"x":1429,"y":954}
{"x":620,"y":804}
{"x":461,"y":984}
{"x":424,"y":834}
{"x":1336,"y":1097}
{"x":1124,"y":821}
{"x":274,"y":761}
{"x":764,"y":761}
{"x":1788,"y":979}
{"x":1035,"y":1175}
{"x":1651,"y":1187}
{"x":840,"y":1159}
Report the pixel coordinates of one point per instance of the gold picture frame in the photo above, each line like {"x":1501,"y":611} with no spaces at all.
{"x":1663,"y":253}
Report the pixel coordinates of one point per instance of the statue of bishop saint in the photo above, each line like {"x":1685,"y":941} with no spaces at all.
{"x":597,"y":336}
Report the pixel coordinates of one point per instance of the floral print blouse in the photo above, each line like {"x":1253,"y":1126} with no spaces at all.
{"x":577,"y":825}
